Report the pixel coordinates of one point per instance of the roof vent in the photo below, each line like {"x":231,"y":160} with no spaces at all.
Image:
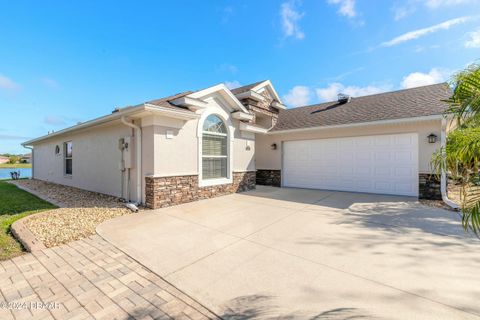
{"x":343,"y":98}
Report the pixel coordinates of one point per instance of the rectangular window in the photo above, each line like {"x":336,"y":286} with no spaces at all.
{"x":68,"y":158}
{"x":214,"y":156}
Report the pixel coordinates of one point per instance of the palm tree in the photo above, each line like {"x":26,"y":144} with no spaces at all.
{"x":461,"y":155}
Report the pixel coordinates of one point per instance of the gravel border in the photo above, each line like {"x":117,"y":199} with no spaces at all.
{"x":79,"y":213}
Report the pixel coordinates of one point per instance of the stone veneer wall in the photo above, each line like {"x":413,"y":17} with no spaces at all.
{"x":269,"y":177}
{"x":429,"y":187}
{"x":169,"y":191}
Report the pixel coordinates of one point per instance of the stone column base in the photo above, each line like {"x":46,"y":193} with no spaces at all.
{"x":429,"y":187}
{"x":163,"y":192}
{"x":269,"y":177}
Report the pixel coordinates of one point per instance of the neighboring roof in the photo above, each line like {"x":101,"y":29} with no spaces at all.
{"x":408,"y":103}
{"x":165,"y":102}
{"x":246,"y":88}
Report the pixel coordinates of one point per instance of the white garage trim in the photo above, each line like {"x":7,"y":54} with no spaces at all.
{"x":384,"y":164}
{"x":362,"y":124}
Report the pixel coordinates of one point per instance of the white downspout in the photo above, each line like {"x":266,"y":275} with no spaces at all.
{"x":31,"y":159}
{"x":443,"y":182}
{"x":138,"y":143}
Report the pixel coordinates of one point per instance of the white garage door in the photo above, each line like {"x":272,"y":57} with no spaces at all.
{"x":386,"y":164}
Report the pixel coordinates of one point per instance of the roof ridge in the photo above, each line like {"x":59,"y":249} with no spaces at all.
{"x":372,"y":95}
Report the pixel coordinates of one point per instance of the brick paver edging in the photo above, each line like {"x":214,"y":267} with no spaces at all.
{"x":89,"y":279}
{"x":25,"y":236}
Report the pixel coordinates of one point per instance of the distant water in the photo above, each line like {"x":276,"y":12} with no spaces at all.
{"x":24,"y":172}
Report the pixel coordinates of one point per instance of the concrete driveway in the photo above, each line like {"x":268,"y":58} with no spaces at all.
{"x":310,"y":254}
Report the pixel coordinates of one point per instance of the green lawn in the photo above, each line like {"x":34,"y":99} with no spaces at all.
{"x":15,"y":165}
{"x":15,"y":204}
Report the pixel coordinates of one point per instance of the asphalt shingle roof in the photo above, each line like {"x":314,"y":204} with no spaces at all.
{"x":246,"y":88}
{"x":165,"y":102}
{"x":408,"y":103}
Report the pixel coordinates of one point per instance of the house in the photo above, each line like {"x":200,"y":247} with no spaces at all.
{"x":4,"y":159}
{"x":200,"y":144}
{"x":26,"y":158}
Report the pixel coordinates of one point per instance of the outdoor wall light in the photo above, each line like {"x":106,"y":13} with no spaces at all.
{"x":273,"y":146}
{"x":432,"y":138}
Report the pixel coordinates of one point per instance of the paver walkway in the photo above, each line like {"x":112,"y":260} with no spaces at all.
{"x":89,"y":279}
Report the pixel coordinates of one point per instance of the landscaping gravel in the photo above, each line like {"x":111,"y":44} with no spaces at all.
{"x":83,"y":212}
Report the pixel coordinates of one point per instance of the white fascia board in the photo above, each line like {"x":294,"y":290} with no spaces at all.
{"x":362,"y":124}
{"x":250,"y":94}
{"x":129,"y":111}
{"x":172,"y":113}
{"x":242,"y":115}
{"x":251,"y":128}
{"x":268,"y":83}
{"x":101,"y":120}
{"x":192,"y":103}
{"x":219,"y":87}
{"x":278,"y":105}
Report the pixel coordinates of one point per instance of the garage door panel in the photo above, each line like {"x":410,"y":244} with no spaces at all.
{"x":378,"y":164}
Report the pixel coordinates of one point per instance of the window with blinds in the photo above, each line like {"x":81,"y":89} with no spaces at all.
{"x":214,"y":148}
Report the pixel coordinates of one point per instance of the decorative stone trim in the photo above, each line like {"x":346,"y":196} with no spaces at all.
{"x":25,"y":236}
{"x":429,"y":187}
{"x":269,"y":177}
{"x":163,"y":192}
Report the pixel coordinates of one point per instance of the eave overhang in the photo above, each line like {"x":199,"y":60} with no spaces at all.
{"x":252,"y":128}
{"x":239,"y":115}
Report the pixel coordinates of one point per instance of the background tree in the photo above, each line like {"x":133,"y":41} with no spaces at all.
{"x":13,"y":159}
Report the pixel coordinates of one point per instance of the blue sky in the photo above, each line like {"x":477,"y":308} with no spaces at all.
{"x":67,"y":61}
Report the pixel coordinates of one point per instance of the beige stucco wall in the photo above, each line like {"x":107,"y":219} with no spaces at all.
{"x":96,"y":156}
{"x":179,"y":155}
{"x":266,"y":158}
{"x":96,"y":159}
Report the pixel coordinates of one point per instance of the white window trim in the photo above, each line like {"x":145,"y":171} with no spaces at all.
{"x":65,"y":158}
{"x":230,"y":133}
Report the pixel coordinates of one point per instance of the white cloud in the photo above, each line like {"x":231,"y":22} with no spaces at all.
{"x":50,"y":83}
{"x":8,"y":84}
{"x":331,"y":92}
{"x":13,"y":137}
{"x":290,"y":20}
{"x":298,"y":96}
{"x":417,"y":79}
{"x":347,"y":7}
{"x":412,"y":35}
{"x":232,"y":84}
{"x":54,"y":120}
{"x":402,"y":11}
{"x":474,"y":40}
{"x":434,"y":4}
{"x":227,"y":67}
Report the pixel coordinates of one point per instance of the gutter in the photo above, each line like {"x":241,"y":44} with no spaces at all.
{"x":138,"y":144}
{"x":443,"y":179}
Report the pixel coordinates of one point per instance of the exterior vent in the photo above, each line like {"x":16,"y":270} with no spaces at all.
{"x":343,"y":98}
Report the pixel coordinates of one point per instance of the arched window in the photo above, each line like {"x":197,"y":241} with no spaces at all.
{"x":214,"y":148}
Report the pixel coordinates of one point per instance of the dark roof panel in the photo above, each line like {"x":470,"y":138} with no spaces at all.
{"x":408,"y":103}
{"x":246,"y":88}
{"x":165,"y":102}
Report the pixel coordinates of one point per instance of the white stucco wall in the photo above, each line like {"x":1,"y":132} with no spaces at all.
{"x":96,"y":159}
{"x":266,"y":158}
